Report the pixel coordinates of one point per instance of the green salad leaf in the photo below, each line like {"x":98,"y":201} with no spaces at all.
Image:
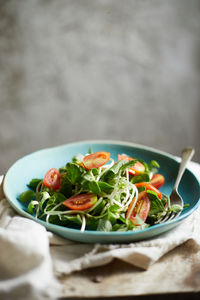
{"x":156,"y":204}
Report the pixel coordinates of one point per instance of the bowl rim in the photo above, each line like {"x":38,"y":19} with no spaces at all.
{"x":93,"y":232}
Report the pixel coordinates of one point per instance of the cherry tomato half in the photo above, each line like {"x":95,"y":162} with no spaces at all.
{"x":96,"y":160}
{"x":52,"y":179}
{"x":81,"y":202}
{"x":150,"y":187}
{"x":137,"y":169}
{"x":157,"y":180}
{"x":141,"y":208}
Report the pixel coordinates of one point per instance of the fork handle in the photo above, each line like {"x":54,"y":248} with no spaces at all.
{"x":186,"y":156}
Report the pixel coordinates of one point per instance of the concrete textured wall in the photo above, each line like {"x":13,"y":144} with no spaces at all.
{"x":98,"y":69}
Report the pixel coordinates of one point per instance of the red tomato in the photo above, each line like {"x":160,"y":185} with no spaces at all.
{"x":149,"y":187}
{"x":141,"y":208}
{"x":96,"y":160}
{"x":81,"y":202}
{"x":157,"y":180}
{"x":137,"y":169}
{"x":52,"y":179}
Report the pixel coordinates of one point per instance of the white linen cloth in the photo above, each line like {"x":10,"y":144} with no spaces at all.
{"x":31,"y":257}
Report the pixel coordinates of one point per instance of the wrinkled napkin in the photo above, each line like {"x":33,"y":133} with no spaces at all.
{"x":31,"y":257}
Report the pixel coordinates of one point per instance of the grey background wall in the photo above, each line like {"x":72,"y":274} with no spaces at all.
{"x":98,"y":69}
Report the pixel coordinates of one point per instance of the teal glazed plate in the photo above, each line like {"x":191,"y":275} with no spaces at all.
{"x":35,"y":165}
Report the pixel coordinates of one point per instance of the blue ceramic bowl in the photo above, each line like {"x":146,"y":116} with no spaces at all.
{"x":36,"y":164}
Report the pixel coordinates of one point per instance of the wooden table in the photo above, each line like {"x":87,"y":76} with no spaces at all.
{"x":177,"y":273}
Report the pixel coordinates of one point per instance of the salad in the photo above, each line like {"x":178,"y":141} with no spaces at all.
{"x":94,"y":192}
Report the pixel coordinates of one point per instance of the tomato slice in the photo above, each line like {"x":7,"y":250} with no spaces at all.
{"x":96,"y":160}
{"x":150,"y":187}
{"x":141,"y":208}
{"x":137,"y":169}
{"x":157,"y":180}
{"x":52,"y":179}
{"x":81,"y":202}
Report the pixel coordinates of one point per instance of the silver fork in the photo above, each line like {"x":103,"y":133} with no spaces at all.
{"x":175,"y":198}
